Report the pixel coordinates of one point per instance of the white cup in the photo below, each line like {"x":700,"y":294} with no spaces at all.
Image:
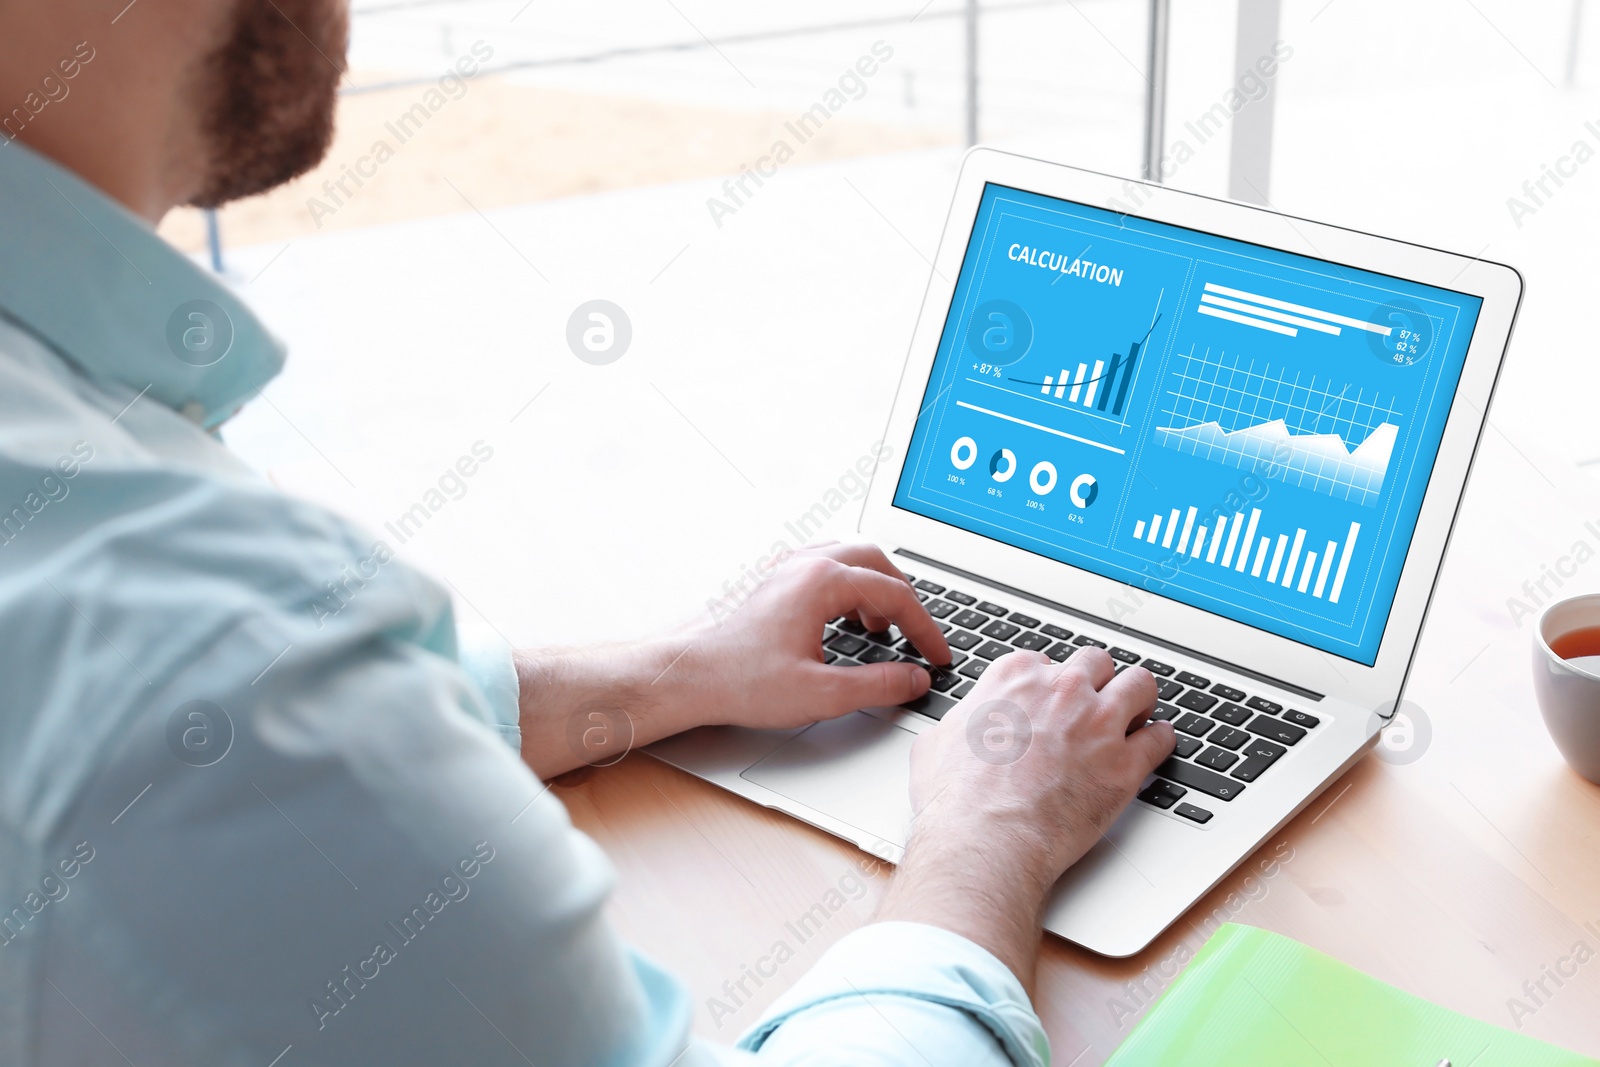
{"x":1569,"y":690}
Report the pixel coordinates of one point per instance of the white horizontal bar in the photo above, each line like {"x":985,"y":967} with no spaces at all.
{"x":1326,"y":316}
{"x":1268,"y":313}
{"x":1260,"y":324}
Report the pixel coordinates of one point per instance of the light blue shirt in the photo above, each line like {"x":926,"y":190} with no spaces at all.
{"x":244,"y":823}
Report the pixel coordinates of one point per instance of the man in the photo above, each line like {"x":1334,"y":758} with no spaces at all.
{"x":238,"y":829}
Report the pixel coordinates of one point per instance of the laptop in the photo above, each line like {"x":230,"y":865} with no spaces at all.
{"x":1222,"y":443}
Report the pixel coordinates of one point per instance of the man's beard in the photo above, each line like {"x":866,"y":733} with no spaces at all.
{"x":269,"y":93}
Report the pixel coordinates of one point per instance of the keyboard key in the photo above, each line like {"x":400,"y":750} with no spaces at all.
{"x":1195,"y":680}
{"x":1060,"y":652}
{"x":933,"y":705}
{"x":1193,"y":724}
{"x":1218,"y":759}
{"x":909,"y":654}
{"x":1084,"y":640}
{"x":930,"y":587}
{"x":1124,"y":655}
{"x":961,"y":690}
{"x":989,"y":607}
{"x":829,"y":657}
{"x":969,"y":619}
{"x":1264,"y":705}
{"x":940,"y":609}
{"x":1023,"y":620}
{"x":1029,"y":641}
{"x":1000,"y":630}
{"x":991,"y":650}
{"x":877,"y":654}
{"x":1167,"y":689}
{"x":846,"y":662}
{"x":962,"y":639}
{"x":966,"y":600}
{"x":847,"y":644}
{"x":1232,"y":714}
{"x":850,"y":626}
{"x":1282,"y":732}
{"x":1195,"y":700}
{"x":1227,"y":692}
{"x":1162,"y":794}
{"x":908,"y":576}
{"x":1187,"y":746}
{"x":922,"y":596}
{"x":1189,"y":811}
{"x":889,"y":637}
{"x":1257,"y":757}
{"x":1165,"y":711}
{"x":1156,"y":667}
{"x":974,"y":668}
{"x":912,"y":656}
{"x":1208,"y":782}
{"x":1300,"y":718}
{"x":944,"y":679}
{"x":1050,"y":629}
{"x":1229,"y":738}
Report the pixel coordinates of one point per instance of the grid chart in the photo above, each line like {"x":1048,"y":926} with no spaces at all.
{"x":1285,"y":427}
{"x":1291,"y":564}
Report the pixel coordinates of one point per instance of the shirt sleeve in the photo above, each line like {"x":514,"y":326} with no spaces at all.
{"x":486,"y":659}
{"x":903,"y":993}
{"x":888,"y":995}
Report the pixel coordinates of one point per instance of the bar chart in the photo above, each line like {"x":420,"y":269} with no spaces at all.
{"x":1238,"y":543}
{"x":1096,"y":388}
{"x":1278,"y":316}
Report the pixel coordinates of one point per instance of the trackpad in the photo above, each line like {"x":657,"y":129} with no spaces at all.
{"x":856,"y":769}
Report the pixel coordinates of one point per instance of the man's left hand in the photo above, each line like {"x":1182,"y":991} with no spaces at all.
{"x":764,"y":666}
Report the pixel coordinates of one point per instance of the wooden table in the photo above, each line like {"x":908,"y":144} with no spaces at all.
{"x":764,"y":357}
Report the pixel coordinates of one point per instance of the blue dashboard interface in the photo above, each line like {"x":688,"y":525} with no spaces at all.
{"x":1239,"y":428}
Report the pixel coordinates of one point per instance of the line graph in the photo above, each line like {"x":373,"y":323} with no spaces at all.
{"x":1310,"y":433}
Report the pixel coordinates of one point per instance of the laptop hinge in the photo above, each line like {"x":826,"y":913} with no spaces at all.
{"x":1298,"y":690}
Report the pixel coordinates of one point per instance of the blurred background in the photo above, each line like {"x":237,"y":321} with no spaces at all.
{"x":1419,"y":119}
{"x":1377,"y":100}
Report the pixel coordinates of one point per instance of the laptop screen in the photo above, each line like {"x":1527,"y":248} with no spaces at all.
{"x":1238,"y":428}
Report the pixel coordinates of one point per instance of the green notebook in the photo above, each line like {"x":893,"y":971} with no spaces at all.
{"x":1251,"y":997}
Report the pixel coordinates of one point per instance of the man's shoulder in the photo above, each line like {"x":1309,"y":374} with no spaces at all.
{"x":139,"y":525}
{"x":95,"y":475}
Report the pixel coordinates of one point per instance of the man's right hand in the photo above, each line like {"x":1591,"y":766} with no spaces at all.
{"x":1013,"y":786}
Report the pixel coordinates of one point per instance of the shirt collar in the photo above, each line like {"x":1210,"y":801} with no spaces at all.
{"x":97,"y":284}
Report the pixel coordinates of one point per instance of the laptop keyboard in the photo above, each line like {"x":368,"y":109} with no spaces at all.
{"x":1227,"y":738}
